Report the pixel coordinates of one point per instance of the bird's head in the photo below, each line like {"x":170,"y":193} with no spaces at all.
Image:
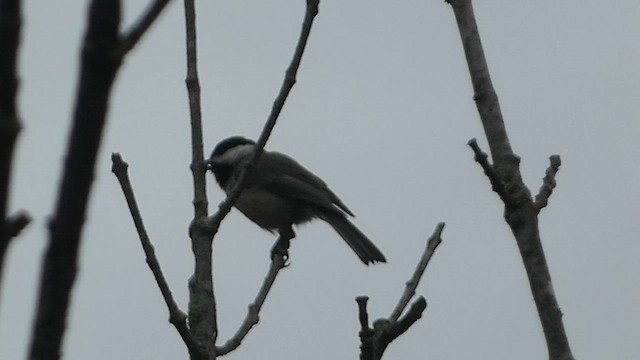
{"x":227,"y":155}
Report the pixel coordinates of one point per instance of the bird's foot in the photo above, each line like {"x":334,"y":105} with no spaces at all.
{"x":281,"y":247}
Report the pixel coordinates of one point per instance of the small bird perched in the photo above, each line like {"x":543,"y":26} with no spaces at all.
{"x":279,"y":192}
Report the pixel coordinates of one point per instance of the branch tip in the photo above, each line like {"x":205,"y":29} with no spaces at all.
{"x":548,"y":183}
{"x":17,"y":222}
{"x":412,"y":284}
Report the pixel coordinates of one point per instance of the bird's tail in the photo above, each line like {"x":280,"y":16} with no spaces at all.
{"x":357,"y":241}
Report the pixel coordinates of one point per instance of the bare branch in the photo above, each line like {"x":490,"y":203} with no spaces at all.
{"x":374,"y":341}
{"x":289,"y":80}
{"x":133,"y":35}
{"x":211,"y":224}
{"x":202,"y":306}
{"x":482,"y":159}
{"x":98,"y":69}
{"x":176,"y":316}
{"x":413,"y":315}
{"x":366,"y":334}
{"x":101,"y":59}
{"x":253,"y":314}
{"x":10,"y":25}
{"x":520,"y":210}
{"x":363,"y":315}
{"x":12,"y":227}
{"x":16,"y":223}
{"x":192,"y":81}
{"x":289,"y":77}
{"x":548,"y":183}
{"x":412,"y":284}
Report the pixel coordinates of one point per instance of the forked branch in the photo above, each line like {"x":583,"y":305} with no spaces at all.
{"x":521,"y":210}
{"x":202,"y":315}
{"x":374,"y":341}
{"x":132,"y":36}
{"x":176,"y":316}
{"x":412,"y":284}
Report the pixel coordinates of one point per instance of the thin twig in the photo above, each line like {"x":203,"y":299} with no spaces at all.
{"x":412,"y":284}
{"x":548,"y":182}
{"x":176,"y":316}
{"x":482,"y":158}
{"x":289,"y":80}
{"x":253,"y":314}
{"x":289,"y":76}
{"x":134,"y":34}
{"x":192,"y":81}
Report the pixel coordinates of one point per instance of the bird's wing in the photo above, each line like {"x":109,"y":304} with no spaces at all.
{"x":285,"y":177}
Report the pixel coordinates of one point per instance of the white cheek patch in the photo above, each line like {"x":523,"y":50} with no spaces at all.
{"x":235,"y":154}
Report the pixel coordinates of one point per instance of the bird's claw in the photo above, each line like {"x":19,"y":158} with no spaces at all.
{"x":281,"y":248}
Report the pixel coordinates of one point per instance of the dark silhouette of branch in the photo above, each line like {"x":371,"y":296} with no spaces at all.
{"x":98,"y":70}
{"x":520,"y":209}
{"x":412,"y":284}
{"x":131,"y":37}
{"x":374,"y":341}
{"x":289,"y":76}
{"x":100,"y":61}
{"x":253,"y":314}
{"x":14,"y":224}
{"x":548,"y":182}
{"x":10,"y":24}
{"x":176,"y":316}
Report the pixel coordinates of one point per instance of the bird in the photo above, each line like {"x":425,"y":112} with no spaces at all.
{"x":278,"y":193}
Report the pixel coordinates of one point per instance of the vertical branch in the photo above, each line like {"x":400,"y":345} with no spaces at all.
{"x":520,"y":210}
{"x":10,"y":23}
{"x":102,"y":54}
{"x":484,"y":94}
{"x":202,"y":305}
{"x":98,"y":70}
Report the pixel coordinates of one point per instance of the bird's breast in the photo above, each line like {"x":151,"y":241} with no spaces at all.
{"x":270,"y":211}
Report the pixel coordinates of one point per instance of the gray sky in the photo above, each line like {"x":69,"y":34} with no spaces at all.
{"x":382,"y":111}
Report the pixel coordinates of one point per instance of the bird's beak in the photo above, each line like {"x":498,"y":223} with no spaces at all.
{"x":209,"y":164}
